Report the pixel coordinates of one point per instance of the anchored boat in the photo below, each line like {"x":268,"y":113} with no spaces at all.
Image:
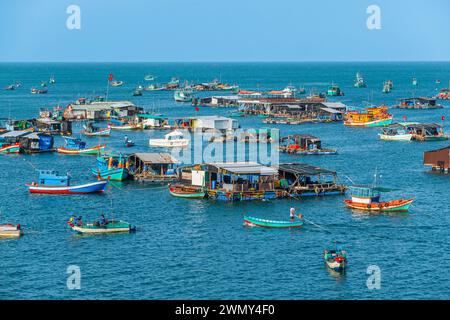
{"x":50,"y":182}
{"x":97,"y":227}
{"x":264,"y":223}
{"x":117,"y":83}
{"x":171,"y":140}
{"x":367,"y":198}
{"x":112,"y":167}
{"x":373,"y":117}
{"x":395,"y":133}
{"x":336,"y":258}
{"x":8,"y":230}
{"x":303,"y":144}
{"x":182,"y":191}
{"x":91,"y":130}
{"x":76,"y":146}
{"x":182,"y":96}
{"x":334,"y":90}
{"x":359,"y":81}
{"x":9,"y":148}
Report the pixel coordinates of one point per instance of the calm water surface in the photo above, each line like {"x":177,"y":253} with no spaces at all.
{"x":195,"y":249}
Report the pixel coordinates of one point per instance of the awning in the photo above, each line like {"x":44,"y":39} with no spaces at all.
{"x":243,"y":168}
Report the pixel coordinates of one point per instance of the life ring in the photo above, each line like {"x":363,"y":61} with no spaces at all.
{"x":316,"y":190}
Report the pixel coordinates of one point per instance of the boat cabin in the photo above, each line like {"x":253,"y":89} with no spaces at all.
{"x":425,"y":131}
{"x":52,"y":178}
{"x":53,"y":127}
{"x":153,"y":121}
{"x":74,"y":143}
{"x":364,"y":194}
{"x":153,"y":167}
{"x":300,"y":179}
{"x":205,"y":123}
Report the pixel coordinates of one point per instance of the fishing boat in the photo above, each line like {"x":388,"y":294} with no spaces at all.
{"x":129,"y":143}
{"x":117,"y":83}
{"x":10,"y":87}
{"x":9,"y":230}
{"x":171,"y":140}
{"x":336,"y":258}
{"x":137,"y":92}
{"x":91,"y":130}
{"x":126,"y":126}
{"x":112,"y":167}
{"x":9,"y":148}
{"x":388,"y":86}
{"x":438,"y":81}
{"x":372,"y":117}
{"x":43,"y":84}
{"x":367,"y":198}
{"x":414,"y":82}
{"x":418,"y":103}
{"x":111,"y":226}
{"x":264,"y":223}
{"x":395,"y":133}
{"x":154,"y":87}
{"x":334,"y":91}
{"x":77,"y":146}
{"x":50,"y":182}
{"x":359,"y":81}
{"x":182,"y":191}
{"x":302,"y":144}
{"x":182,"y":96}
{"x":38,"y":91}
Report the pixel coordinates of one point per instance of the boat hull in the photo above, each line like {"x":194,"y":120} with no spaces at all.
{"x":10,"y":149}
{"x":369,"y":124}
{"x":10,"y":231}
{"x":99,"y":133}
{"x":119,"y":227}
{"x":388,"y":206}
{"x":114,"y":174}
{"x":162,"y":143}
{"x":400,"y":137}
{"x":87,"y":151}
{"x":94,"y":187}
{"x":263,"y":223}
{"x":186,"y":192}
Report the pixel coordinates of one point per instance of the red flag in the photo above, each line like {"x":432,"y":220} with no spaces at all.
{"x":110,"y":77}
{"x":404,"y":118}
{"x":443,"y":118}
{"x":197,"y":109}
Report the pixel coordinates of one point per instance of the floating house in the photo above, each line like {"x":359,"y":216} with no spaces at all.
{"x":439,"y":159}
{"x":218,"y":101}
{"x":153,"y":121}
{"x":303,"y":144}
{"x":153,"y":167}
{"x":30,"y":142}
{"x":237,"y":181}
{"x":299,"y":179}
{"x":84,"y":109}
{"x":305,"y":112}
{"x":418,"y":103}
{"x":424,"y":131}
{"x":53,"y":127}
{"x":203,"y":123}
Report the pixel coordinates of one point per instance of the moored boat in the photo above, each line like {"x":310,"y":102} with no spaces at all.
{"x":7,"y":148}
{"x":336,"y":258}
{"x":359,"y":81}
{"x":91,"y":130}
{"x":395,"y":133}
{"x":111,"y":226}
{"x":50,"y":182}
{"x":76,"y":146}
{"x":9,"y":230}
{"x":334,"y":90}
{"x":372,"y":117}
{"x":112,"y":167}
{"x":38,"y":91}
{"x":117,"y":83}
{"x":367,"y":198}
{"x":182,"y":191}
{"x":265,"y":223}
{"x":182,"y":96}
{"x":302,"y":144}
{"x":171,"y":140}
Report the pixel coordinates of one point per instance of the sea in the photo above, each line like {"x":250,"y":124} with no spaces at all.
{"x":199,"y":249}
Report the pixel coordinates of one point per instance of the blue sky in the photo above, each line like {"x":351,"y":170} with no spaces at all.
{"x":224,"y":30}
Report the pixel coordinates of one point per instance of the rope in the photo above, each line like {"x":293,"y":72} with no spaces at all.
{"x":315,"y":224}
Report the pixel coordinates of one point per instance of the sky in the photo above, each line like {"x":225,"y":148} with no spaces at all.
{"x":224,"y":30}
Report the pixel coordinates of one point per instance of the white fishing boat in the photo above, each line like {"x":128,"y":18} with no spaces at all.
{"x":117,"y":83}
{"x":171,"y":140}
{"x":9,"y":230}
{"x":395,"y":134}
{"x":182,"y":96}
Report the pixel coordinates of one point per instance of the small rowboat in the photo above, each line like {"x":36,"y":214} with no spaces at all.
{"x":89,"y":151}
{"x":9,"y":230}
{"x":335,"y":259}
{"x":386,"y":206}
{"x":263,"y":223}
{"x":10,"y":148}
{"x":127,"y":127}
{"x":191,"y":192}
{"x":113,"y":226}
{"x":106,"y":132}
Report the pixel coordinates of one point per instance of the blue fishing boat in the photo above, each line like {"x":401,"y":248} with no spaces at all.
{"x":77,"y":146}
{"x":112,"y":167}
{"x":50,"y":182}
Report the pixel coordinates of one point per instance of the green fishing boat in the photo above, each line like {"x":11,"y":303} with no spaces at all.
{"x":112,"y":226}
{"x":263,"y":223}
{"x":182,"y":191}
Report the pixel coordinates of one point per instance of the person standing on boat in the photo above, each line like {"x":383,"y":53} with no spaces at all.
{"x":102,"y":220}
{"x":126,"y":139}
{"x":292,"y":213}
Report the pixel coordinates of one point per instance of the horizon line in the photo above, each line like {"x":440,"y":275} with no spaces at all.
{"x":230,"y":61}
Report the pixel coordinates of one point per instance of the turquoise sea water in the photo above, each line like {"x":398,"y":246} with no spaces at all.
{"x":195,"y":249}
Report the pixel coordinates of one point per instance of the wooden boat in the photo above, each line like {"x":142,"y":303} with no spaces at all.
{"x":302,"y":144}
{"x":8,"y":230}
{"x":149,"y":77}
{"x":414,"y":82}
{"x":76,"y":146}
{"x":38,"y":91}
{"x":182,"y":191}
{"x":264,"y":223}
{"x":128,"y":126}
{"x":171,"y":140}
{"x":182,"y":96}
{"x":112,"y":167}
{"x":112,"y":226}
{"x":367,"y":198}
{"x":418,"y":103}
{"x":129,"y":143}
{"x":335,"y":259}
{"x":7,"y":148}
{"x":334,"y":91}
{"x":91,"y":130}
{"x":50,"y":182}
{"x":137,"y":92}
{"x":10,"y":87}
{"x":373,"y":117}
{"x":395,"y":133}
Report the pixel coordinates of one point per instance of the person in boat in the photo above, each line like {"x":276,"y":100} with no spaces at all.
{"x":126,"y":139}
{"x":103,"y":221}
{"x":80,"y":221}
{"x":292,"y":213}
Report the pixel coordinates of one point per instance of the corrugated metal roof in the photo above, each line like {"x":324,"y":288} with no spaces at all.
{"x":334,"y":105}
{"x":245,"y":168}
{"x":15,"y":134}
{"x":303,"y":169}
{"x":156,"y":158}
{"x":331,"y":110}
